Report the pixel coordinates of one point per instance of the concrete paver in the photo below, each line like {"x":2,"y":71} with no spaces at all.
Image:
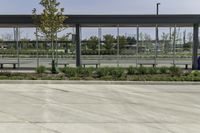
{"x":61,"y":108}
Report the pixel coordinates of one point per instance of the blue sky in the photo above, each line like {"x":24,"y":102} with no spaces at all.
{"x":103,"y":7}
{"x":106,"y":6}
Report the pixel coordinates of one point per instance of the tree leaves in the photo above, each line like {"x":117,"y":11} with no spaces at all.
{"x":51,"y":20}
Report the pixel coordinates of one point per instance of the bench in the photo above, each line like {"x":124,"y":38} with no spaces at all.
{"x":8,"y":63}
{"x":148,"y":64}
{"x":181,"y":64}
{"x":91,"y":64}
{"x":61,"y":64}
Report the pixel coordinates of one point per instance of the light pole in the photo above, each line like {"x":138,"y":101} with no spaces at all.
{"x":157,"y":38}
{"x":157,"y":8}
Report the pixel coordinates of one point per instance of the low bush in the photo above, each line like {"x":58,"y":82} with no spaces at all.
{"x":175,"y":71}
{"x":108,"y":73}
{"x":102,"y":72}
{"x":117,"y":73}
{"x":131,"y":70}
{"x":142,"y":70}
{"x":195,"y":73}
{"x":153,"y":70}
{"x":82,"y":72}
{"x":69,"y":72}
{"x":164,"y":70}
{"x":41,"y":69}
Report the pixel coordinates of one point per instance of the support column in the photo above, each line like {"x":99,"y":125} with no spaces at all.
{"x":118,"y":45}
{"x":16,"y":38}
{"x":99,"y":43}
{"x":156,"y":45}
{"x":37,"y":47}
{"x":195,"y":46}
{"x":137,"y":47}
{"x":174,"y":45}
{"x":78,"y":45}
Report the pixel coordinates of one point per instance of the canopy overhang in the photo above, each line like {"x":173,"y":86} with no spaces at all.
{"x":108,"y":20}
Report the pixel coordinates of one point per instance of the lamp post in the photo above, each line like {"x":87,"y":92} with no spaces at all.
{"x":157,"y":8}
{"x":157,"y":36}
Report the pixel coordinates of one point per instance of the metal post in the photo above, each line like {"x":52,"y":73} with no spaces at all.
{"x":56,"y":50}
{"x":137,"y":47}
{"x":118,"y":45}
{"x":195,"y":46}
{"x":17,"y":41}
{"x":157,"y":8}
{"x":156,"y":45}
{"x":170,"y":38}
{"x":174,"y":45}
{"x":37,"y":47}
{"x":157,"y":38}
{"x":99,"y":41}
{"x":78,"y":46}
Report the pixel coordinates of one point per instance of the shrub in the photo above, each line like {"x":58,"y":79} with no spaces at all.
{"x":142,"y":70}
{"x":164,"y":70}
{"x":131,"y":70}
{"x":101,"y":72}
{"x":117,"y":72}
{"x":195,"y":73}
{"x":82,"y":72}
{"x":175,"y":71}
{"x":153,"y":70}
{"x":69,"y":72}
{"x":8,"y":74}
{"x":41,"y":69}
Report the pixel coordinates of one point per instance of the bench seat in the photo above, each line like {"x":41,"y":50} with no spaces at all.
{"x":62,"y":64}
{"x":148,"y":64}
{"x":181,"y":64}
{"x":8,"y":63}
{"x":90,"y":64}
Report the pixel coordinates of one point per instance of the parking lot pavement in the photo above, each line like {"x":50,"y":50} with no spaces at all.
{"x":65,"y":108}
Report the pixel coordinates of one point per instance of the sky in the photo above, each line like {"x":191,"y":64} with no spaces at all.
{"x":106,"y":6}
{"x":103,"y":7}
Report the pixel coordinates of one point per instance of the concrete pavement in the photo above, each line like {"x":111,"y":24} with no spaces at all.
{"x":99,"y":108}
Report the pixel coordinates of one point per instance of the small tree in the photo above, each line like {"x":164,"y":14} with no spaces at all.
{"x":131,"y":40}
{"x":49,"y":23}
{"x":166,"y":42}
{"x":109,"y":42}
{"x":122,"y":42}
{"x":93,"y":43}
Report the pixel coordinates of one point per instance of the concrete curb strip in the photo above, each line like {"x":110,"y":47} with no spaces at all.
{"x":96,"y":82}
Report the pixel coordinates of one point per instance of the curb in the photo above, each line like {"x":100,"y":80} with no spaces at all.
{"x":96,"y":82}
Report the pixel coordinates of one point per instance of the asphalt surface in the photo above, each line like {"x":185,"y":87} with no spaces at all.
{"x":67,"y":108}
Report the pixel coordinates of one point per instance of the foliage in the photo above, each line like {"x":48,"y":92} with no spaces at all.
{"x":152,"y":70}
{"x":187,"y":46}
{"x":108,"y":73}
{"x":109,"y":41}
{"x":41,"y":69}
{"x":195,"y":73}
{"x":175,"y":71}
{"x":131,"y":70}
{"x":164,"y":70}
{"x":51,"y":20}
{"x":93,"y":43}
{"x":117,"y":73}
{"x":49,"y":23}
{"x":122,"y":41}
{"x":69,"y":72}
{"x":131,"y":40}
{"x":142,"y":70}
